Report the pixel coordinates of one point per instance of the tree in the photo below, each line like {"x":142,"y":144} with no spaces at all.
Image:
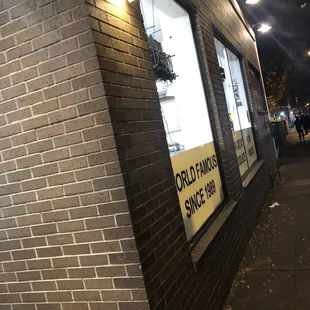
{"x":275,"y":79}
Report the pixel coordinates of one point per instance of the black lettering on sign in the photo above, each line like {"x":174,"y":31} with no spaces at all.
{"x":204,"y":167}
{"x":238,"y":144}
{"x":214,"y":161}
{"x":178,"y":182}
{"x":251,"y":151}
{"x":241,"y":159}
{"x":184,"y":178}
{"x":210,"y":189}
{"x":194,"y":203}
{"x":197,"y":165}
{"x":197,"y":200}
{"x":193,"y":173}
{"x":249,"y":139}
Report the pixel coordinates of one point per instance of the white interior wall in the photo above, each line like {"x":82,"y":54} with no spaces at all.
{"x":237,"y":78}
{"x":228,"y":87}
{"x":177,"y":39}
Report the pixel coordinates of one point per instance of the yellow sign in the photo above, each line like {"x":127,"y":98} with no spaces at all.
{"x":240,"y":152}
{"x":199,"y":185}
{"x":249,"y":145}
{"x":245,"y":149}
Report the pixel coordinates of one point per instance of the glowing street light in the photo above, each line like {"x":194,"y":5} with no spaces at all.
{"x":264,"y":28}
{"x":308,"y":53}
{"x":251,"y":1}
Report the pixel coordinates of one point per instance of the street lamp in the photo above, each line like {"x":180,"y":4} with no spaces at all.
{"x":264,"y":28}
{"x":251,"y":1}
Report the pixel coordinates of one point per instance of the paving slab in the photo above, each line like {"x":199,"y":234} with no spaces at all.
{"x":264,"y":290}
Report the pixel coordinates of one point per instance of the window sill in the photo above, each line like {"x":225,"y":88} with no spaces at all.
{"x":251,"y":174}
{"x":199,"y":249}
{"x":262,"y":112}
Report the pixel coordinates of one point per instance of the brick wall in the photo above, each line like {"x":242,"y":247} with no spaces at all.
{"x":66,"y":239}
{"x":170,"y":277}
{"x":139,"y":132}
{"x":87,"y":194}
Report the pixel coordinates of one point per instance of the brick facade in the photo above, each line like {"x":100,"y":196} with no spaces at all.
{"x":90,"y":217}
{"x":66,"y":239}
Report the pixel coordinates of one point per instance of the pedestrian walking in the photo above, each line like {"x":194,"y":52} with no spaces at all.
{"x":303,"y":121}
{"x":305,"y":124}
{"x":299,"y":128}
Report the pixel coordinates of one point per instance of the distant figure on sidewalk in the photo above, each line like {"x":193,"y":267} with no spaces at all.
{"x":299,"y":128}
{"x":303,"y":122}
{"x":307,"y":124}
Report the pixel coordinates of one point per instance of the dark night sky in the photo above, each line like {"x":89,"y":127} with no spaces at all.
{"x":288,"y":42}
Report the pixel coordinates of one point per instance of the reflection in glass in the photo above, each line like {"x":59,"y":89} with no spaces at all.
{"x":239,"y":91}
{"x":237,"y":106}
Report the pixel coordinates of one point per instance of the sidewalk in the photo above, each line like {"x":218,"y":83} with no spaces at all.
{"x":275,"y":272}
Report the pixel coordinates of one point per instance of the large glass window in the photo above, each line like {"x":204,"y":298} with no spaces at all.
{"x":237,"y":106}
{"x":184,"y":111}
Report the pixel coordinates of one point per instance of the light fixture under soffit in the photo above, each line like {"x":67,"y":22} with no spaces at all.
{"x":264,"y":28}
{"x":251,"y":1}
